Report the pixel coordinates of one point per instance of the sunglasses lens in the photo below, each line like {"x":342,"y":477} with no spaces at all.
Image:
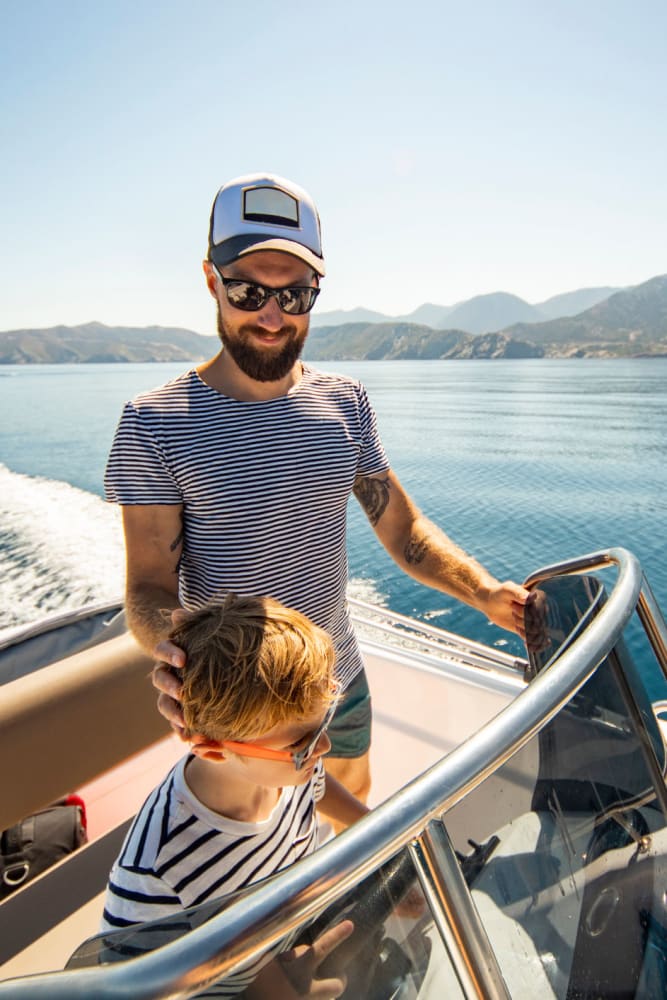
{"x":245,"y":295}
{"x":296,"y":301}
{"x":304,"y":755}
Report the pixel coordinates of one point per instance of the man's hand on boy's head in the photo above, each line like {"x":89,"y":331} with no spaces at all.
{"x":170,"y":658}
{"x":170,"y":709}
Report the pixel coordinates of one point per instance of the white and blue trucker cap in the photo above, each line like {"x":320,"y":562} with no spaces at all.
{"x":264,"y":212}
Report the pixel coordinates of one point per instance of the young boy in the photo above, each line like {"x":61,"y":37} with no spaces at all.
{"x":258,"y":694}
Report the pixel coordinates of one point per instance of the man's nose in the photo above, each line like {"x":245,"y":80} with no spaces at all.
{"x":270,"y":316}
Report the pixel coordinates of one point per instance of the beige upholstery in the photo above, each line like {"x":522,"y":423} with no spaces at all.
{"x":66,"y":723}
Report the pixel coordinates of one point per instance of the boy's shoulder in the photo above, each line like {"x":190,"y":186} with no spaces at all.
{"x":172,"y":818}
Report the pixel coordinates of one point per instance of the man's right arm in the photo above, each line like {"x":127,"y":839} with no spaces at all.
{"x":153,"y":547}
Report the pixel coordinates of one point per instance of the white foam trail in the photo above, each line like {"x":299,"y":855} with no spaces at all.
{"x":60,"y":547}
{"x":363,"y":589}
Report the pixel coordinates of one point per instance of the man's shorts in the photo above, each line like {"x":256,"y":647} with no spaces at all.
{"x":350,"y":730}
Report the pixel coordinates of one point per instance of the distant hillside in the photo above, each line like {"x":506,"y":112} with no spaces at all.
{"x":630,"y":322}
{"x":429,"y":314}
{"x":480,"y":314}
{"x":337,"y":317}
{"x":400,"y":341}
{"x":487,"y":313}
{"x":572,"y":303}
{"x":95,"y":342}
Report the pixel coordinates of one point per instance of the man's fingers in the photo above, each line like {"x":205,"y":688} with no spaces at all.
{"x":171,"y":710}
{"x":518,"y":593}
{"x":535,"y":623}
{"x":165,"y":681}
{"x":504,"y":605}
{"x":168,"y":653}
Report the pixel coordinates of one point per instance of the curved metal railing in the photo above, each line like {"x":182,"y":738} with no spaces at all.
{"x":190,"y":964}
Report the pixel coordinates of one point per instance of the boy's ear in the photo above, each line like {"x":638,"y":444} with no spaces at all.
{"x":207,"y":751}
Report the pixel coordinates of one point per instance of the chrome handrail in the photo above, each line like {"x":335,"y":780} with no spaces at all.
{"x":654,"y":624}
{"x":246,"y":928}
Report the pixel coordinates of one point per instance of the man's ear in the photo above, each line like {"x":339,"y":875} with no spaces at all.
{"x":211,"y":278}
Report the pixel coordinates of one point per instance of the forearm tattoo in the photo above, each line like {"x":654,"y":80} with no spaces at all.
{"x":415,"y":550}
{"x":177,"y":543}
{"x":373,"y":495}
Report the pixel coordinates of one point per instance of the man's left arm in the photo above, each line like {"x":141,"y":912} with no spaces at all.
{"x":421,"y":549}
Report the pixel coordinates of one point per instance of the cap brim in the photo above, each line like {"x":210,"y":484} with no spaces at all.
{"x":233,"y":249}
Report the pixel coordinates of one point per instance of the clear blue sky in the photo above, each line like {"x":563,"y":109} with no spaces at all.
{"x":453,"y":149}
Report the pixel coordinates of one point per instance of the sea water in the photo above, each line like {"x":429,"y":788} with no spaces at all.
{"x":522,"y":463}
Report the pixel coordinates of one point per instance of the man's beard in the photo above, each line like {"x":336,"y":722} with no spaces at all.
{"x":257,"y":364}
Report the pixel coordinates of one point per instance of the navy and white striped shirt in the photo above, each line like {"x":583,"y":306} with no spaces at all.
{"x":264,"y":487}
{"x":178,"y":853}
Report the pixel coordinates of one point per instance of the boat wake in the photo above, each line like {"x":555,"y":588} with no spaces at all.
{"x":62,"y":547}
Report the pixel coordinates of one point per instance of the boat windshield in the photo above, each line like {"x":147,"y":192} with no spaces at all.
{"x":569,"y":876}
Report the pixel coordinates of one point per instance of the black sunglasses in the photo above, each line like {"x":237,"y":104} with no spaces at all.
{"x":247,"y":295}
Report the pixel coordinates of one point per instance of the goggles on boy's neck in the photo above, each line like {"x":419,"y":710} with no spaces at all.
{"x":298,"y":756}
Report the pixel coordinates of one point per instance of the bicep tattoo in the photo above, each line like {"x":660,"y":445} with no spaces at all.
{"x":373,"y":495}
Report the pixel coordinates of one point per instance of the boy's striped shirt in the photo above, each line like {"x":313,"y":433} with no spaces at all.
{"x":178,"y":853}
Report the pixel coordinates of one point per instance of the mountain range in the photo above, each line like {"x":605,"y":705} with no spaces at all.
{"x":481,"y":314}
{"x":97,"y":343}
{"x":628,"y":322}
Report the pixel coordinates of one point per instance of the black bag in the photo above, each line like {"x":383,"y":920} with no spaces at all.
{"x":38,"y":841}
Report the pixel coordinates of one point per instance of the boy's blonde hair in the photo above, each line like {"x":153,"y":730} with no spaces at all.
{"x":251,"y":664}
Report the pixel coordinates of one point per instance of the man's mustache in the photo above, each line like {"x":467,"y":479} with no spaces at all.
{"x":250,"y":328}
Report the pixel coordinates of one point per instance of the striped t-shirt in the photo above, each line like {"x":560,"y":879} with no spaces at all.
{"x":178,"y":853}
{"x":264,"y":488}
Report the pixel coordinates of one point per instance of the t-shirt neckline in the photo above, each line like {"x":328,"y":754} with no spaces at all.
{"x":293,"y":391}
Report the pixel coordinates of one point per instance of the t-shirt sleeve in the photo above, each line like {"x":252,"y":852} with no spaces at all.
{"x":137,"y":470}
{"x":134,"y":897}
{"x":373,"y":458}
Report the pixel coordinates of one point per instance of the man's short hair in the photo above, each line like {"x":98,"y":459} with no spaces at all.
{"x":251,"y":664}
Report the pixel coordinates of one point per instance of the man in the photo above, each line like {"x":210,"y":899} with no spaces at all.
{"x":236,"y":475}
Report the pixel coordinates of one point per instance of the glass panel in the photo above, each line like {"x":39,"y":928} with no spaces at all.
{"x":569,"y":859}
{"x":394,"y":951}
